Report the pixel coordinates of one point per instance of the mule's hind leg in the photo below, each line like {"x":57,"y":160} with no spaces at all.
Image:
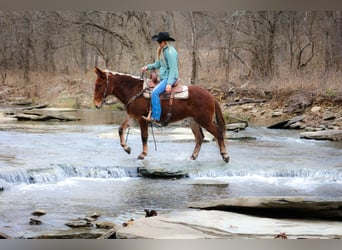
{"x":122,"y":129}
{"x":199,"y":136}
{"x":144,"y":137}
{"x":219,"y":135}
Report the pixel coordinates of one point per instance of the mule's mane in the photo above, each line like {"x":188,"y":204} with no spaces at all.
{"x":122,"y":74}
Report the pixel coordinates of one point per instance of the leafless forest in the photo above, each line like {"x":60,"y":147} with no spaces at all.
{"x":48,"y":53}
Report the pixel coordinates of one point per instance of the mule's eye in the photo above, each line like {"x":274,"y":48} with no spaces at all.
{"x":98,"y":85}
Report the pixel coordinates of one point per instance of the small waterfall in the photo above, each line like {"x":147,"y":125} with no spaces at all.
{"x":331,"y":175}
{"x":60,"y":172}
{"x":30,"y":176}
{"x":98,"y":172}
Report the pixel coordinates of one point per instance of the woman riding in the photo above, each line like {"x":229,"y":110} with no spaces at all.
{"x":167,"y":63}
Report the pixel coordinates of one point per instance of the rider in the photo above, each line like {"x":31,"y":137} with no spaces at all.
{"x":167,"y":63}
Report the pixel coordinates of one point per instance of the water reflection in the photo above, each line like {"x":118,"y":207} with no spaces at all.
{"x":93,"y":117}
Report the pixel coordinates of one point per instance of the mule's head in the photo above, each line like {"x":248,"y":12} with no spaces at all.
{"x":101,"y":86}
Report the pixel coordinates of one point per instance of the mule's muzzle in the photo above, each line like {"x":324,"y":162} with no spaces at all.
{"x":98,"y":105}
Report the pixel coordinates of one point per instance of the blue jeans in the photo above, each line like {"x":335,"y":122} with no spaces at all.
{"x":155,"y":100}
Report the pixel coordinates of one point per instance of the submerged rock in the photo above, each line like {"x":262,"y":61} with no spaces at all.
{"x":35,"y":221}
{"x":79,"y":223}
{"x":38,"y":212}
{"x":95,"y":215}
{"x":162,"y":173}
{"x":208,"y":182}
{"x":105,"y":224}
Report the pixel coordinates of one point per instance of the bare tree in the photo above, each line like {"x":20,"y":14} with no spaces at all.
{"x":339,"y":40}
{"x":194,"y":56}
{"x":308,"y":41}
{"x":244,"y":43}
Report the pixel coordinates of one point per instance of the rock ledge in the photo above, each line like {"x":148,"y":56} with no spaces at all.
{"x":277,"y":207}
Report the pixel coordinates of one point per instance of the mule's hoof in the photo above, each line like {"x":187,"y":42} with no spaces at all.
{"x":226,"y":158}
{"x":193,"y":157}
{"x":128,"y":150}
{"x":142,"y":156}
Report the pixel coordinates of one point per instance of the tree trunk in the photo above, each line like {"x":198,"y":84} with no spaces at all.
{"x":339,"y":41}
{"x":83,"y":45}
{"x":194,"y":56}
{"x":27,"y":47}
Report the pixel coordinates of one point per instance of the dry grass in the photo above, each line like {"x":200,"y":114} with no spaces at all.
{"x":44,"y":87}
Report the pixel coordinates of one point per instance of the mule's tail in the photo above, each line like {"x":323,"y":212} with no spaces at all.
{"x":219,"y":119}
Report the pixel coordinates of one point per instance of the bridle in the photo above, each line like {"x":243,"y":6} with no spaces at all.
{"x":106,"y":89}
{"x":130,"y":100}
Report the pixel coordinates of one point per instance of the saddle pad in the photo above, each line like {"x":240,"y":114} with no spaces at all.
{"x":182,"y":92}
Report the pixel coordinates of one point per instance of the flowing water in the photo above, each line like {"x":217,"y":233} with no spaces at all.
{"x":74,"y":169}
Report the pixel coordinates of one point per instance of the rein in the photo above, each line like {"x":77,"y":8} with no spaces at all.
{"x":133,"y":98}
{"x":130,"y":100}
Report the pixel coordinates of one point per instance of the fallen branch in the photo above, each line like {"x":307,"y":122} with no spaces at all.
{"x":39,"y":106}
{"x":244,"y":101}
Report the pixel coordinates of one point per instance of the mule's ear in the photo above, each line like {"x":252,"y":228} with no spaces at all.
{"x":99,"y":73}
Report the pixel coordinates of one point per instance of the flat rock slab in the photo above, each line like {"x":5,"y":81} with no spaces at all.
{"x":202,"y":224}
{"x":332,"y":135}
{"x":277,"y":207}
{"x":287,"y":123}
{"x":236,"y":126}
{"x":42,"y":115}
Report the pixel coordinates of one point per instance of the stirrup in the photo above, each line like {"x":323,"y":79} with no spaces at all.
{"x":152,"y":121}
{"x":148,"y":117}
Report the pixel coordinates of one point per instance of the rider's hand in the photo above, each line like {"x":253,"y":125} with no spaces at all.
{"x":143,"y":69}
{"x":168,"y":88}
{"x":151,"y":84}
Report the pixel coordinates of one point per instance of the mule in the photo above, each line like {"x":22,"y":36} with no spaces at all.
{"x":201,"y":106}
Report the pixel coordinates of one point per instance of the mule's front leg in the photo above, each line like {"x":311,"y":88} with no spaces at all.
{"x":199,"y":136}
{"x":122,"y":129}
{"x":144,"y":137}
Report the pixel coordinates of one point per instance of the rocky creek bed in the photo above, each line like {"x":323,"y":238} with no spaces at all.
{"x":273,"y":218}
{"x":292,"y":217}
